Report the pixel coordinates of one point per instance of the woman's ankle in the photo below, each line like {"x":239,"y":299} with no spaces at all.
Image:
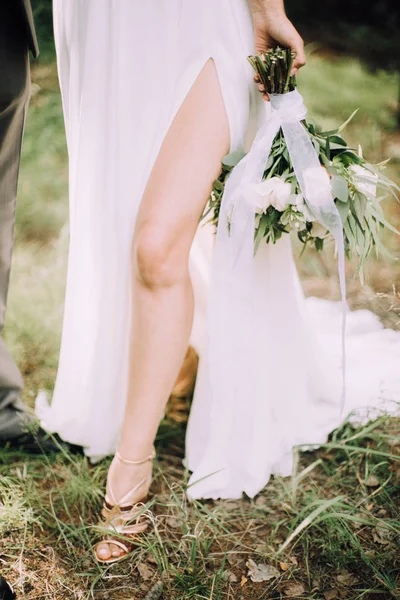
{"x":135,"y":452}
{"x":123,"y":478}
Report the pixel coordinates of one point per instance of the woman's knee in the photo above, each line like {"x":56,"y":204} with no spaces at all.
{"x":159,"y":260}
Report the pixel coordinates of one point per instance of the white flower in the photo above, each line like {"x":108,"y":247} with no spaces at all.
{"x":364,"y":180}
{"x":302,"y":207}
{"x":272,"y":192}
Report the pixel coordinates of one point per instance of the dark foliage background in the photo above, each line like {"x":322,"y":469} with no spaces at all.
{"x":368,"y":29}
{"x":42,"y":10}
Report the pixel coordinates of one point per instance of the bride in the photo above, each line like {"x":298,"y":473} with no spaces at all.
{"x":154,"y":94}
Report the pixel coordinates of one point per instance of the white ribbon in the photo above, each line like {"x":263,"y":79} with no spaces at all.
{"x":231,"y":361}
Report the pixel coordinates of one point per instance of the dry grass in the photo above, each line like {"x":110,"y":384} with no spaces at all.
{"x":332,"y":530}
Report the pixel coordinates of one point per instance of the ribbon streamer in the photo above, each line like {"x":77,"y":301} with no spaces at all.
{"x":231,"y":366}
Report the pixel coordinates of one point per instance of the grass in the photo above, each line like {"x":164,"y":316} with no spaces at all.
{"x":331,"y":531}
{"x":334,"y":87}
{"x":332,"y":528}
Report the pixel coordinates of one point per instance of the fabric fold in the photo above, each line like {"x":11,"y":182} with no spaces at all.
{"x":232,"y":322}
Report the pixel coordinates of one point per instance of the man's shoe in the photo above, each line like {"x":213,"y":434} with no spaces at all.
{"x":39,"y":442}
{"x":19,"y":430}
{"x":6,"y":590}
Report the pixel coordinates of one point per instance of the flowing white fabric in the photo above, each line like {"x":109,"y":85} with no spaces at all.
{"x":125,"y":67}
{"x":232,"y":362}
{"x":235,"y":443}
{"x":114,"y":57}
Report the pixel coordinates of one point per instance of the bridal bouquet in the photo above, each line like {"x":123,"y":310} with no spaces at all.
{"x":280,"y":200}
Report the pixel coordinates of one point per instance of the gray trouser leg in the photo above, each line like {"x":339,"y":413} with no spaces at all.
{"x":14,"y":98}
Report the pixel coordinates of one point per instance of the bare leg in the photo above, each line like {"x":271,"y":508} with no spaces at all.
{"x":176,"y":193}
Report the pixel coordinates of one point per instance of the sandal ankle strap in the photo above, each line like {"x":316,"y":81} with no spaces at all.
{"x":125,"y":461}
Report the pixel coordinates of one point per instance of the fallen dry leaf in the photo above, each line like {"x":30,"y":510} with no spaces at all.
{"x":145,"y":572}
{"x":243,"y":581}
{"x":294,"y":560}
{"x":331,"y":594}
{"x":347,"y":579}
{"x":155,"y":592}
{"x":261,"y":501}
{"x":234,"y":560}
{"x":372,"y":481}
{"x":294,"y":590}
{"x":229,"y":576}
{"x":316,"y":584}
{"x":261,"y":572}
{"x":284,"y":566}
{"x":382,"y":536}
{"x":173,"y":522}
{"x":150,"y":558}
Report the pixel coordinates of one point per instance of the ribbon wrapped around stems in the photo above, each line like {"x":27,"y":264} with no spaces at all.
{"x":232,"y":291}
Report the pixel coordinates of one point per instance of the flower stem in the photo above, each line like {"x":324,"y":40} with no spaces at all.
{"x":274,"y":70}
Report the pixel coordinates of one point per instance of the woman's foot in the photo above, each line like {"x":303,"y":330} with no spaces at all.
{"x":124,"y":513}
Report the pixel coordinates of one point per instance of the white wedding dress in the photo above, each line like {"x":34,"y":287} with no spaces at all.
{"x":125,"y":67}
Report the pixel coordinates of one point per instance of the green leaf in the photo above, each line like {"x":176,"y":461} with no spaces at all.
{"x":347,"y":157}
{"x":337,"y":141}
{"x":285,"y":155}
{"x":328,"y":148}
{"x":339,"y":129}
{"x":340,"y":188}
{"x":336,"y":147}
{"x":349,"y":231}
{"x":333,"y":145}
{"x":359,"y":202}
{"x":232,"y":159}
{"x":331,"y":170}
{"x":385,"y":223}
{"x":261,"y":231}
{"x":343,"y":210}
{"x":348,"y":121}
{"x":324,"y":159}
{"x":270,"y":162}
{"x":317,"y":146}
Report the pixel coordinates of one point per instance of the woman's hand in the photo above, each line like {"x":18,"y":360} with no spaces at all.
{"x":272,"y":28}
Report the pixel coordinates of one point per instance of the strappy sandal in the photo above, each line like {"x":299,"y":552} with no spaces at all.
{"x":122,"y":519}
